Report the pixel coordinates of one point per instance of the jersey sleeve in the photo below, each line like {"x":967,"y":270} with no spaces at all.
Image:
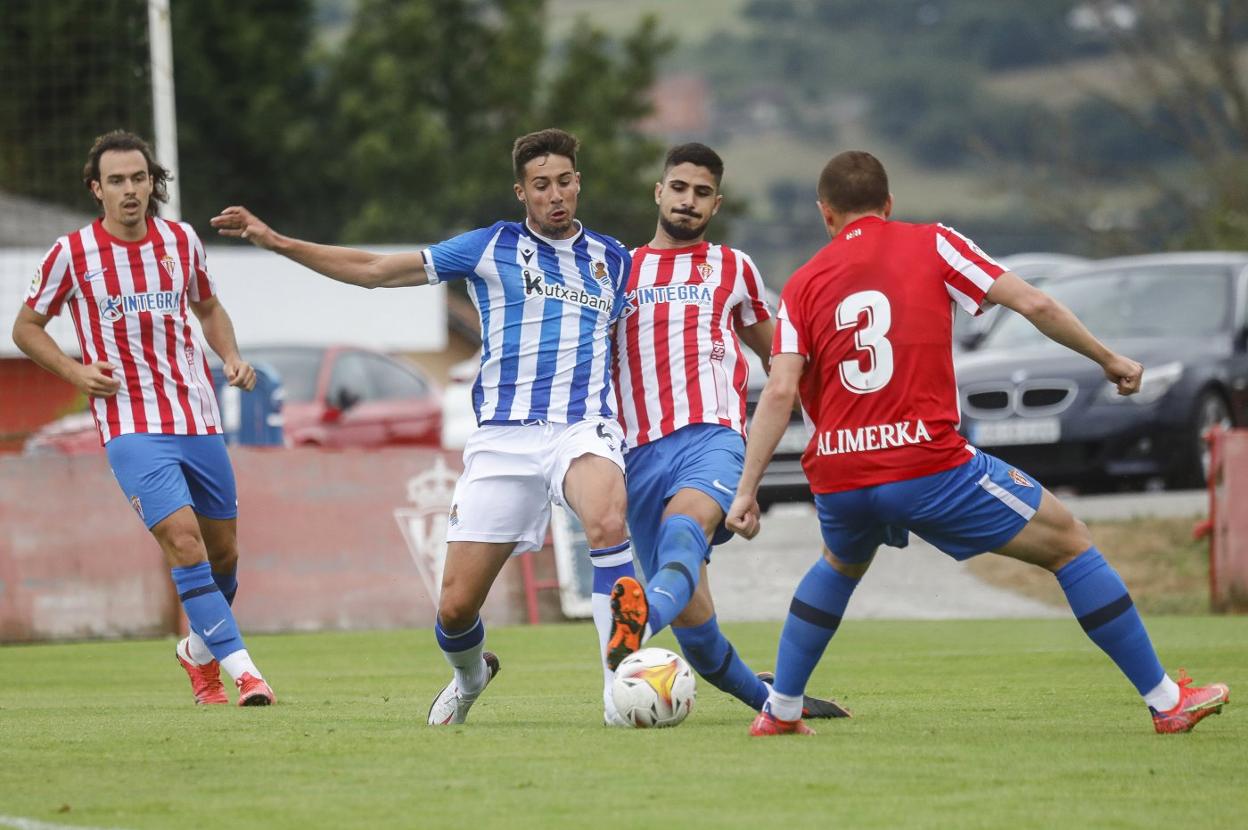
{"x":202,"y":287}
{"x":968,"y":271}
{"x":53,"y":282}
{"x":753,"y":308}
{"x":457,"y":258}
{"x":789,"y":337}
{"x":620,"y":281}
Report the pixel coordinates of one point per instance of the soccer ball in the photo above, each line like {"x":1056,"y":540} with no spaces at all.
{"x":653,"y":687}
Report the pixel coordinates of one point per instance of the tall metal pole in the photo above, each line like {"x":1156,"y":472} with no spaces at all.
{"x":164,"y":113}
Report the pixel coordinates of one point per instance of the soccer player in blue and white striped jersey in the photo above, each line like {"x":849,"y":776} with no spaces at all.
{"x":548,"y":291}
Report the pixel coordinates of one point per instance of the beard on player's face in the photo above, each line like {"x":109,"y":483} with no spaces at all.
{"x":684,"y":232}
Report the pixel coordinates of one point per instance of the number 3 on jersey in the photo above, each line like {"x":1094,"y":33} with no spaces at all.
{"x":869,"y":338}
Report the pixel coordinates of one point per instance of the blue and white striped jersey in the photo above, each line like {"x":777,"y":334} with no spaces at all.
{"x":546,"y":306}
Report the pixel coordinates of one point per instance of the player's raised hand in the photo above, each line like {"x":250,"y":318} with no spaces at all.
{"x":743,"y":516}
{"x":96,"y":379}
{"x":238,"y":221}
{"x":1124,"y":373}
{"x":240,"y":373}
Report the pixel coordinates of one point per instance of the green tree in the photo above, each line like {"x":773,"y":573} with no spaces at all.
{"x":426,"y":98}
{"x":69,"y":71}
{"x":249,"y":128}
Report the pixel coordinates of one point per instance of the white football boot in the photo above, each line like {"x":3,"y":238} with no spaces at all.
{"x":451,"y":706}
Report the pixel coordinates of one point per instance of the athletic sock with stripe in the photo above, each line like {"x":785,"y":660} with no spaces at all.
{"x":1107,"y":615}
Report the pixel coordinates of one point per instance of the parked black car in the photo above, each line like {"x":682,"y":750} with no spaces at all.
{"x":1052,"y":412}
{"x":1036,"y":268}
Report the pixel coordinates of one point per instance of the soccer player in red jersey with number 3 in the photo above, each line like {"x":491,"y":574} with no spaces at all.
{"x":864,"y":336}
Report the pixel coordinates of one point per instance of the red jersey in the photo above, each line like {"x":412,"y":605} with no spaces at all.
{"x":677,"y":357}
{"x":128,"y":302}
{"x":872,"y":313}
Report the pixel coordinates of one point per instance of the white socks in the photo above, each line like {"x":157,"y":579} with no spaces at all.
{"x":1164,"y":696}
{"x":194,"y":650}
{"x":197,"y":650}
{"x":239,"y":663}
{"x":783,"y":707}
{"x":471,"y":672}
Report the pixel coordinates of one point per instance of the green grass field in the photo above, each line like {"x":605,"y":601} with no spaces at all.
{"x":989,"y":724}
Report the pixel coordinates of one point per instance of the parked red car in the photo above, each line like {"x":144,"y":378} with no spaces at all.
{"x":336,"y":396}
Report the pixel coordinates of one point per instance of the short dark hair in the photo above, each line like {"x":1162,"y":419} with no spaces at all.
{"x":853,"y":182}
{"x":695,"y":153}
{"x":551,"y":141}
{"x":124,"y":141}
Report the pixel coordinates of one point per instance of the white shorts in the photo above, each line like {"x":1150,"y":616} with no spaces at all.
{"x":513,"y":473}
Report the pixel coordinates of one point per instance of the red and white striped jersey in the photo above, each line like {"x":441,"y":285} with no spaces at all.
{"x":872,"y":314}
{"x":128,"y":302}
{"x":677,"y":357}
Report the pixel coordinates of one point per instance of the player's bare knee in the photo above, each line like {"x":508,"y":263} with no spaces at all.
{"x":605,"y":530}
{"x":456,"y":614}
{"x":184,"y":548}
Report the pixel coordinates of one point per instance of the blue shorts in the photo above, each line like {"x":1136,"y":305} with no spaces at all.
{"x":704,"y":457}
{"x":975,"y":507}
{"x":163,"y":473}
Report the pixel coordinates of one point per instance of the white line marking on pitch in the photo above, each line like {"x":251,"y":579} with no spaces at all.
{"x":19,"y":823}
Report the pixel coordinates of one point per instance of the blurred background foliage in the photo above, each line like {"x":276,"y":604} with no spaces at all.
{"x":1084,"y":127}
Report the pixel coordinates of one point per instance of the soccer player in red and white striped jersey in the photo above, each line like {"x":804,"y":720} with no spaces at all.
{"x":865,"y":337}
{"x":127,"y":280}
{"x":680,"y":377}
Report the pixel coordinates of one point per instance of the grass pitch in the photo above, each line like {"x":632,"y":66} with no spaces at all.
{"x":993,"y":724}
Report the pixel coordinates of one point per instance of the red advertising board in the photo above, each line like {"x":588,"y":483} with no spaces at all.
{"x":345,"y":539}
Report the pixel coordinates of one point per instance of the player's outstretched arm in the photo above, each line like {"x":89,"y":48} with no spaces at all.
{"x":30,"y":334}
{"x":1060,"y":324}
{"x":349,"y":265}
{"x":771,"y":417}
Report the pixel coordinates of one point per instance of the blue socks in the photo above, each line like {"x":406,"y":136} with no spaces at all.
{"x":814,"y":615}
{"x":207,"y":610}
{"x":1104,"y":609}
{"x":713,"y":657}
{"x":682,"y":546}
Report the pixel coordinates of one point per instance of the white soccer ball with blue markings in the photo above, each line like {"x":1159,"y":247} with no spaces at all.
{"x":654,"y":687}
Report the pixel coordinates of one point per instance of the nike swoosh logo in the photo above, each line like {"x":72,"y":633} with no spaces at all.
{"x":722,"y":488}
{"x":527,"y":256}
{"x":208,"y":631}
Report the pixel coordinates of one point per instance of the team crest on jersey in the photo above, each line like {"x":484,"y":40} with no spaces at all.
{"x":137,"y":505}
{"x":600,"y":272}
{"x":110,"y":309}
{"x":1020,"y":479}
{"x":705,"y":270}
{"x":169,"y":265}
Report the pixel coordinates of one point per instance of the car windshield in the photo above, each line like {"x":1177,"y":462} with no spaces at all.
{"x":298,"y":369}
{"x":1152,"y":301}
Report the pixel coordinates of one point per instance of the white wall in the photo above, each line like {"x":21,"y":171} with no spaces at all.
{"x":272,"y":301}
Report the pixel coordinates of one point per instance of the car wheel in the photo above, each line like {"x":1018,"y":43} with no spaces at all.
{"x":1211,"y":410}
